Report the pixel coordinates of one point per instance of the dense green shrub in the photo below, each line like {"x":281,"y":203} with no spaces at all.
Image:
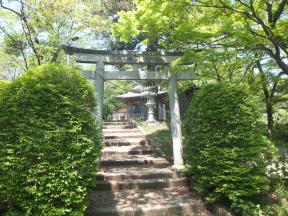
{"x":280,"y":134}
{"x":224,"y":146}
{"x":49,"y":143}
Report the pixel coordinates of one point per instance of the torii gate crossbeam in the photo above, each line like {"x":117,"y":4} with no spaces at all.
{"x":103,"y":57}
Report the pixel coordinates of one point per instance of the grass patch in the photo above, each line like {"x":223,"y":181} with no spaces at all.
{"x":160,"y":134}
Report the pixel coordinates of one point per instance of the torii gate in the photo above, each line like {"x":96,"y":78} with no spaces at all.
{"x":104,"y":57}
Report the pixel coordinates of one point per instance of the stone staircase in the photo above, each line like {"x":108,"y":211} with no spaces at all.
{"x":134,"y":180}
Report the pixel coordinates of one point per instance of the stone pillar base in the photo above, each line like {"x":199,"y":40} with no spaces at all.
{"x":151,"y":122}
{"x":178,"y":167}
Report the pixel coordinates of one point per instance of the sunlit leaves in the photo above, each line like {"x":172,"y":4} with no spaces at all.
{"x":14,"y":44}
{"x":47,"y":25}
{"x":129,"y":27}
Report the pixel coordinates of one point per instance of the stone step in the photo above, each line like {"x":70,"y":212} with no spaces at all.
{"x":123,"y":135}
{"x":113,"y":142}
{"x":134,"y":150}
{"x":136,"y":184}
{"x":126,"y":174}
{"x":119,"y":126}
{"x":180,"y":209}
{"x":126,"y":142}
{"x":133,"y":180}
{"x":113,"y":131}
{"x":167,"y":201}
{"x":135,"y":169}
{"x":132,"y":160}
{"x":116,"y":123}
{"x":160,"y":165}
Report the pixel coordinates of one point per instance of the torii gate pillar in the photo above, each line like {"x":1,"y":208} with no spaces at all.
{"x":176,"y":131}
{"x":99,"y":88}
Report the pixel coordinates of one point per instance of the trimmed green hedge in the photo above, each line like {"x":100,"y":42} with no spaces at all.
{"x":224,"y":146}
{"x":50,"y":143}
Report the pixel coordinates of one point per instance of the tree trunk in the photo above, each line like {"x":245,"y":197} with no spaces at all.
{"x":269,"y":111}
{"x":268,"y":100}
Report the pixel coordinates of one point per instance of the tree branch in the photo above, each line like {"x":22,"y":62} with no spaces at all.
{"x":9,"y":9}
{"x":278,"y":12}
{"x":264,"y":82}
{"x":275,"y":85}
{"x":237,"y":11}
{"x":269,"y":12}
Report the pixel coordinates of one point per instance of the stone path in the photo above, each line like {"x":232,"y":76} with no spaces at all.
{"x":134,"y":180}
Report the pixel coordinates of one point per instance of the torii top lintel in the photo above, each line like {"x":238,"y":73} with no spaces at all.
{"x":121,"y":56}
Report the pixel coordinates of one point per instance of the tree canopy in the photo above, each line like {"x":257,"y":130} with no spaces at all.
{"x":40,"y":28}
{"x":243,"y":41}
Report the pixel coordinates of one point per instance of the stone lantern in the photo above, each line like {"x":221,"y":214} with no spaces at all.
{"x":151,"y":106}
